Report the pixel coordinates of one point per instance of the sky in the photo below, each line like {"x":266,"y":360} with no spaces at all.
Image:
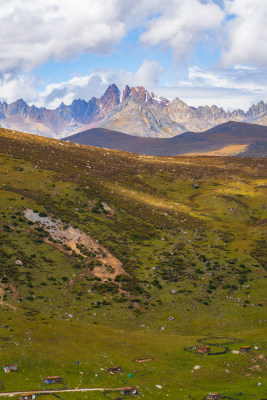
{"x":202,"y":51}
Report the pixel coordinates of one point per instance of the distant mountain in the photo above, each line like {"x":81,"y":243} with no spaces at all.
{"x":141,"y":118}
{"x":143,"y":114}
{"x":230,"y":138}
{"x":61,"y":121}
{"x":136,"y":111}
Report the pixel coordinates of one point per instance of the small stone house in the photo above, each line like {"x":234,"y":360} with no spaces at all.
{"x":128,"y":390}
{"x":203,"y":350}
{"x":245,"y":349}
{"x":214,"y":396}
{"x":28,"y":396}
{"x":52,"y":379}
{"x":10,"y":368}
{"x":114,"y":370}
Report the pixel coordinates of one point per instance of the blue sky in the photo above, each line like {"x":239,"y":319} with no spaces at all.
{"x":202,"y":51}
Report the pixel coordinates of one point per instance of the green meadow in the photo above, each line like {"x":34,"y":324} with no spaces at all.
{"x":190,"y":233}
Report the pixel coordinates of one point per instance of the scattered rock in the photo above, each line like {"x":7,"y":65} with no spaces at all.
{"x":256,"y":368}
{"x":170,"y":318}
{"x":18,"y":262}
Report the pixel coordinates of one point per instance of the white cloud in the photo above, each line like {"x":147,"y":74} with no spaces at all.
{"x":246,"y":32}
{"x":95,"y":84}
{"x":18,"y":86}
{"x":223,"y":79}
{"x":182,"y":24}
{"x":147,"y":75}
{"x":237,"y":87}
{"x":34,"y":31}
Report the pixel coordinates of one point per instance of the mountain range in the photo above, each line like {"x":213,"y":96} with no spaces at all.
{"x":135,"y":111}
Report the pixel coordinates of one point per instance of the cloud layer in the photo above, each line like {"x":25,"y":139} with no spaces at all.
{"x":230,"y":88}
{"x":246,"y":32}
{"x":182,"y":24}
{"x":33,"y":32}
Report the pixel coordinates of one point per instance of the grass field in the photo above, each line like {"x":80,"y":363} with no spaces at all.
{"x":190,"y":233}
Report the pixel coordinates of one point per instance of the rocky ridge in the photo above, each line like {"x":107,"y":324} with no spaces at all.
{"x":135,"y":111}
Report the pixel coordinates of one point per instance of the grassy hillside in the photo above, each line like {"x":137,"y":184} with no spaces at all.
{"x":190,"y":236}
{"x":228,"y":139}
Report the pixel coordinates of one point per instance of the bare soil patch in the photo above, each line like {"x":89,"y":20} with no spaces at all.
{"x":79,"y":243}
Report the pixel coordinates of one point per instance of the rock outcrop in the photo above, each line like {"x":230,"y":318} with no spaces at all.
{"x":142,"y":118}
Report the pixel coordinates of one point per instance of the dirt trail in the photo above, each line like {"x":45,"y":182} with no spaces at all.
{"x":77,"y":240}
{"x":12,"y":394}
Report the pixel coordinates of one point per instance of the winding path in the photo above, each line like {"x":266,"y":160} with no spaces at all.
{"x":50,"y":391}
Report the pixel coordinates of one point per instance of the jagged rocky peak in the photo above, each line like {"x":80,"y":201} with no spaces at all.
{"x":126,"y":93}
{"x":137,"y":91}
{"x":257,"y":109}
{"x":141,"y":93}
{"x":18,"y":107}
{"x":78,"y":108}
{"x":36,"y":113}
{"x":144,"y":95}
{"x":179,"y":104}
{"x":110,"y":98}
{"x":237,"y":113}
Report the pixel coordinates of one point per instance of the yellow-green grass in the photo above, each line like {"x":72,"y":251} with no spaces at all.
{"x":206,"y":243}
{"x":54,"y":348}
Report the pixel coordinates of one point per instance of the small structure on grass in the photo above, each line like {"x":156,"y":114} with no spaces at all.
{"x":10,"y":368}
{"x":52,"y":379}
{"x":203,"y":350}
{"x":214,"y":396}
{"x":245,"y":349}
{"x":114,"y":370}
{"x":128,"y":390}
{"x":28,"y":396}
